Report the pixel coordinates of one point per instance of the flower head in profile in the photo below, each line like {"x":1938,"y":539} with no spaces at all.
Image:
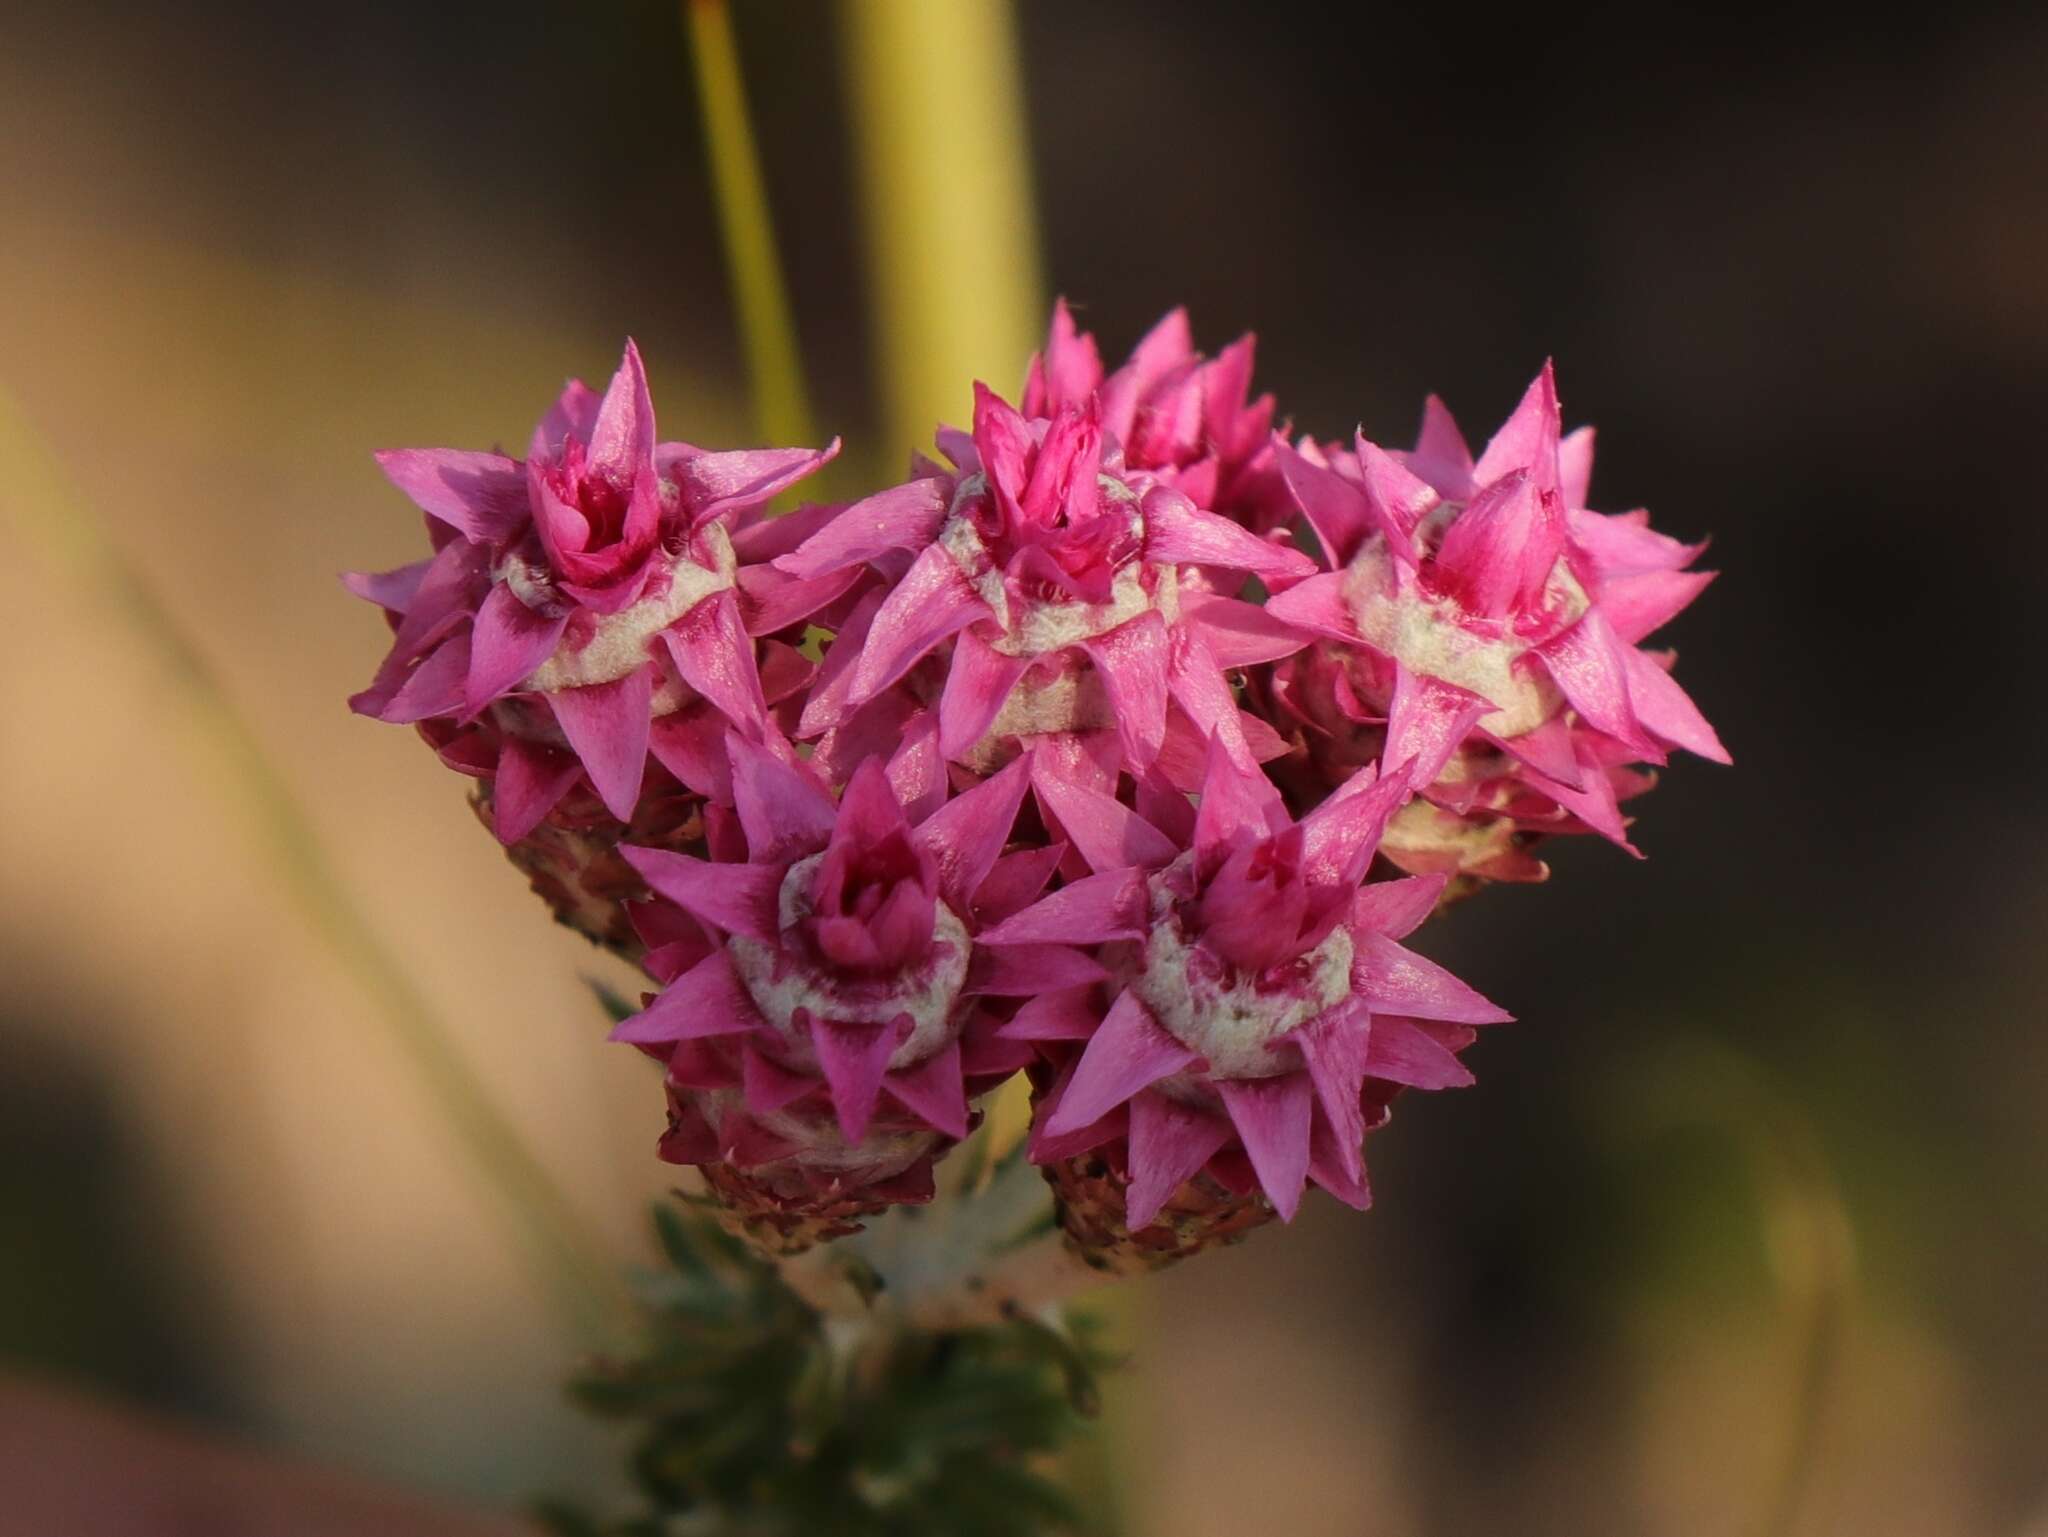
{"x":1255,"y":986}
{"x":1477,"y":618}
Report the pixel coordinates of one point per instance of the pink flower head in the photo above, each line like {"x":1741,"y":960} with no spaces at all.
{"x":1255,"y":987}
{"x":1477,"y":618}
{"x":1046,"y":587}
{"x":598,"y":599}
{"x":1187,"y":419}
{"x":823,"y":1015}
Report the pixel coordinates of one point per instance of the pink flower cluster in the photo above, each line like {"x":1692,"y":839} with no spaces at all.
{"x":1139,"y":737}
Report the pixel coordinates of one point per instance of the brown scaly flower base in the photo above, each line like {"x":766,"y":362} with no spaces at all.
{"x":571,"y":860}
{"x":1088,"y":1198}
{"x":781,"y":1224}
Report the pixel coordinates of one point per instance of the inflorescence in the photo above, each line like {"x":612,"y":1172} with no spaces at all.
{"x":1141,"y":735}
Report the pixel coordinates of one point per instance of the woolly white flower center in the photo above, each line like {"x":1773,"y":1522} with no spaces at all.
{"x":780,"y":982}
{"x":1059,"y":696}
{"x":1230,"y":1016}
{"x":1424,"y":635}
{"x":618,"y":643}
{"x":1429,"y":833}
{"x":1033,"y":627}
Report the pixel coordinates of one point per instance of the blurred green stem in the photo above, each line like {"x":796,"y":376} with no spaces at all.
{"x":937,"y":94}
{"x":1811,"y":1244}
{"x":782,"y":413}
{"x":1809,"y":1239}
{"x":43,"y":508}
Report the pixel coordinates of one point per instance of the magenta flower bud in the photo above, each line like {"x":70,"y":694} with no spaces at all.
{"x":1044,"y":586}
{"x":1254,"y":989}
{"x":1477,"y":619}
{"x":1187,"y":420}
{"x":594,"y":618}
{"x":825,"y":1014}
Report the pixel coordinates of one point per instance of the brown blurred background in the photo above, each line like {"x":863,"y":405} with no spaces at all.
{"x":1748,"y":1215}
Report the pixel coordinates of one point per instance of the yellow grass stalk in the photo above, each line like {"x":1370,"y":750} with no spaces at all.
{"x":782,"y":412}
{"x":938,"y":119}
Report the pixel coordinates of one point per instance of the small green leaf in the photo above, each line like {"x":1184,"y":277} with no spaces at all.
{"x":750,"y":1417}
{"x":615,"y":1003}
{"x":679,"y":1240}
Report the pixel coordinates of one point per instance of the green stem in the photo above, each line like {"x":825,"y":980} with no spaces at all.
{"x":43,"y":507}
{"x":1812,"y":1247}
{"x":937,"y":98}
{"x":782,"y":413}
{"x":1808,"y":1236}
